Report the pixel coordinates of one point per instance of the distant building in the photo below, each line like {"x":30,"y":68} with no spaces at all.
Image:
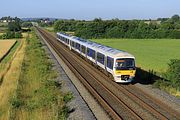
{"x":153,"y":22}
{"x":7,"y":21}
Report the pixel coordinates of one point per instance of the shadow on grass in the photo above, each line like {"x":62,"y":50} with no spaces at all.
{"x":145,"y":77}
{"x":1,"y":80}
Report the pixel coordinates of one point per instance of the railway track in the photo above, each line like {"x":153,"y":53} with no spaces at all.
{"x":120,"y":101}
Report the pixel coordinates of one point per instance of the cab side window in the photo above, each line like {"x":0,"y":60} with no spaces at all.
{"x":110,"y":62}
{"x":100,"y":58}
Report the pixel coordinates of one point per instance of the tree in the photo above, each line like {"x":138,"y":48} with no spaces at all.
{"x":26,"y":24}
{"x":14,"y":25}
{"x":173,"y":75}
{"x":175,"y":18}
{"x":98,"y":28}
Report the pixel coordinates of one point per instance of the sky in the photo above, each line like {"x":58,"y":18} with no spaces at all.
{"x":90,"y":9}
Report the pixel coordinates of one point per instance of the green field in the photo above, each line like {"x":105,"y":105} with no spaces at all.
{"x":150,"y":53}
{"x":3,"y":24}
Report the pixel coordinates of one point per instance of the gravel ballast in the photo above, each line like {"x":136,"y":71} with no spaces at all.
{"x":161,"y":95}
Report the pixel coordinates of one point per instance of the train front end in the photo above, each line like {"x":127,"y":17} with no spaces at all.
{"x":124,"y":70}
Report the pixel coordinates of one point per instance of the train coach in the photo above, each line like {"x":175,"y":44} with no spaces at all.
{"x":117,"y":63}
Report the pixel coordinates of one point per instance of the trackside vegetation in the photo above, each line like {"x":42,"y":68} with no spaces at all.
{"x":38,"y":94}
{"x":171,"y":78}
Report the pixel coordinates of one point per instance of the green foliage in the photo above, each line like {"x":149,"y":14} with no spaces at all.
{"x":10,"y":35}
{"x":14,"y":28}
{"x":26,"y":24}
{"x":15,"y":25}
{"x":16,"y":103}
{"x":175,"y":18}
{"x":98,"y":28}
{"x":173,"y":72}
{"x":63,"y":113}
{"x":18,"y":35}
{"x":171,"y":78}
{"x":68,"y":97}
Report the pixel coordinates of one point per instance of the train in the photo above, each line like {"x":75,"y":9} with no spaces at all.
{"x":119,"y":64}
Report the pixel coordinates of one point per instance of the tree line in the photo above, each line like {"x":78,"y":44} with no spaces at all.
{"x":115,"y":28}
{"x":14,"y":27}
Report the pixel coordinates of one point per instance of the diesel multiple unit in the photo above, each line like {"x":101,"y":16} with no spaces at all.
{"x":118,"y":64}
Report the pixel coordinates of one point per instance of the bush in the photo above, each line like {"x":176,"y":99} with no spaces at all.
{"x":171,"y":78}
{"x":10,"y":35}
{"x":173,"y":73}
{"x":18,"y":35}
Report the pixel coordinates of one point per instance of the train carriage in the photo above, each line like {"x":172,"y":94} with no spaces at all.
{"x":120,"y":64}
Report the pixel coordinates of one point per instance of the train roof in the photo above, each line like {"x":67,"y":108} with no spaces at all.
{"x":99,"y":47}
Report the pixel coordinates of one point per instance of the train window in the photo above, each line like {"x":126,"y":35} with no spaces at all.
{"x":67,"y":41}
{"x":78,"y":46}
{"x":91,"y":53}
{"x":100,"y":58}
{"x":88,"y":52}
{"x":83,"y":49}
{"x":74,"y":44}
{"x":71,"y":43}
{"x":110,"y":62}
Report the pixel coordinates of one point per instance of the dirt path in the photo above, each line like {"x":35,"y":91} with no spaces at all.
{"x":10,"y":80}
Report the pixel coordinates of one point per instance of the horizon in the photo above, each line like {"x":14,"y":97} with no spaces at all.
{"x":91,"y":9}
{"x":81,"y":19}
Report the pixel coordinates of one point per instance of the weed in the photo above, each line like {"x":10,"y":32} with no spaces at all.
{"x":15,"y":102}
{"x":68,"y":97}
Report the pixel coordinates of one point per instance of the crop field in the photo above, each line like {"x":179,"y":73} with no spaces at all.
{"x":150,"y":53}
{"x":5,"y":45}
{"x":3,"y":24}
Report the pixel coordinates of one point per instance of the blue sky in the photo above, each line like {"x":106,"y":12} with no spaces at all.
{"x":90,"y":9}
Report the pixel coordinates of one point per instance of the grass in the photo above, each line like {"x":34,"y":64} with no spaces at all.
{"x":50,"y":29}
{"x":38,"y":95}
{"x":166,"y":86}
{"x":151,"y":54}
{"x":3,"y":24}
{"x":1,"y":33}
{"x":10,"y":68}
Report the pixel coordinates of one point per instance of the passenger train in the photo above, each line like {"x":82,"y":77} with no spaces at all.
{"x":117,"y":63}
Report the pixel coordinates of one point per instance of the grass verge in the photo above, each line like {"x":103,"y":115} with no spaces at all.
{"x":38,"y":95}
{"x":168,"y":87}
{"x":5,"y":63}
{"x":9,"y":76}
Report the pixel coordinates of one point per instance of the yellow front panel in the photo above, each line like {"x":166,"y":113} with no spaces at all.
{"x":125,"y":72}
